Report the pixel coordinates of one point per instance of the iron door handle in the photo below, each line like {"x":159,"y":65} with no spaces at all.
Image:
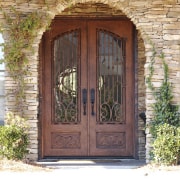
{"x":84,"y":97}
{"x":92,"y":101}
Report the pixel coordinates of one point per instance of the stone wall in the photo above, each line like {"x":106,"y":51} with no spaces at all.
{"x":2,"y":99}
{"x":141,"y":60}
{"x":157,"y":21}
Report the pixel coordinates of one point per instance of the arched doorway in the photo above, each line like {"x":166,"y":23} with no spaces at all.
{"x":88,"y":88}
{"x":100,"y":13}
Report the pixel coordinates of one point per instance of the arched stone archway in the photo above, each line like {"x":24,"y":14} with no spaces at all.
{"x":100,"y":10}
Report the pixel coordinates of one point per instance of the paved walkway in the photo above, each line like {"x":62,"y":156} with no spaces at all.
{"x":92,"y":170}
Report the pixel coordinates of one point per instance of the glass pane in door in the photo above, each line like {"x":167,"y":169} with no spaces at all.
{"x":66,"y":55}
{"x":111,"y":82}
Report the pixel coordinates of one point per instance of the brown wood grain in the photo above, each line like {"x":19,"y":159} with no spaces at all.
{"x":91,"y":138}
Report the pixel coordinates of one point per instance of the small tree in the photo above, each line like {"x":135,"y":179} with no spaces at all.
{"x":166,"y":120}
{"x":163,"y":110}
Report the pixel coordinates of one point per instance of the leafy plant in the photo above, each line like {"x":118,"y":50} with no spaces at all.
{"x":165,"y":124}
{"x":14,"y":138}
{"x":163,"y":110}
{"x":167,"y":144}
{"x":21,"y":31}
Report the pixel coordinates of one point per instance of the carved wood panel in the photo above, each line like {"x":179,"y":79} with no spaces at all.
{"x":110,"y":140}
{"x":65,"y":140}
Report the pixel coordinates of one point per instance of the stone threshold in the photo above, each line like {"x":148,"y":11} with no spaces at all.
{"x":111,"y":163}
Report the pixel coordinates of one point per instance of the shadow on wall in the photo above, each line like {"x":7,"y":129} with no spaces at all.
{"x":142,"y":115}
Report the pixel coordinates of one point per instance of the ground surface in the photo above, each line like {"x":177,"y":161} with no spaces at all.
{"x":86,"y":170}
{"x":9,"y":165}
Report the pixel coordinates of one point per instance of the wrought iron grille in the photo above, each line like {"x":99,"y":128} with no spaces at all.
{"x":66,"y":57}
{"x":111,"y":82}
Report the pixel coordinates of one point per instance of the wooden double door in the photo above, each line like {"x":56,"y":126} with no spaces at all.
{"x":87,"y":106}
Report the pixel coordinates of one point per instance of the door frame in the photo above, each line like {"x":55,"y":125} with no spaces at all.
{"x":135,"y":85}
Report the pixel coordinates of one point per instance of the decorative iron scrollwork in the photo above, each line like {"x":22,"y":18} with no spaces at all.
{"x":66,"y":54}
{"x":111,"y":83}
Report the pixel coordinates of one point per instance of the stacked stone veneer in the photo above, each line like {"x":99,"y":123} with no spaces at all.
{"x":157,"y":22}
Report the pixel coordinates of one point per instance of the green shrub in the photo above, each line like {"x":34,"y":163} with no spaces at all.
{"x":165,"y":124}
{"x":163,"y":109}
{"x":14,"y":138}
{"x":166,"y":146}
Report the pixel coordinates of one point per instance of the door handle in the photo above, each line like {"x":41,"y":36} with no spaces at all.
{"x":84,"y":97}
{"x":92,"y":101}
